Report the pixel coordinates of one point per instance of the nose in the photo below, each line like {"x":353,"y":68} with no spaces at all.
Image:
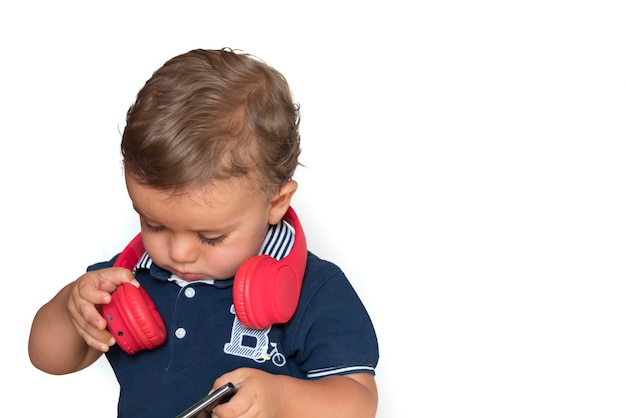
{"x":183,"y":249}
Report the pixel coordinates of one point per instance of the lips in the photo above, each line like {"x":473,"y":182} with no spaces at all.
{"x":188,"y":276}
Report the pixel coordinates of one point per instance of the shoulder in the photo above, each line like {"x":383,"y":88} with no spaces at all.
{"x":324,"y":284}
{"x":321,"y":273}
{"x":316,"y":266}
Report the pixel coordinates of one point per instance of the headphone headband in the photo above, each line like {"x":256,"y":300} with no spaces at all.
{"x":265,"y":292}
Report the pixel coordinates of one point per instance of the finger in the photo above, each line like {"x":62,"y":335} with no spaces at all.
{"x":230,"y":377}
{"x":82,"y":306}
{"x":89,"y":323}
{"x":94,"y":336}
{"x":98,"y":343}
{"x":109,"y":279}
{"x":96,"y":287}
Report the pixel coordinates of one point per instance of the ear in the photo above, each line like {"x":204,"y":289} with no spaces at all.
{"x":280,"y":201}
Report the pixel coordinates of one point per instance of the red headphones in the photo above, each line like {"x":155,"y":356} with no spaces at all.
{"x":265,"y":292}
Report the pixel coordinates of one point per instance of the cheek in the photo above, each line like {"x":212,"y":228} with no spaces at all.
{"x":156,"y":246}
{"x":221,"y":262}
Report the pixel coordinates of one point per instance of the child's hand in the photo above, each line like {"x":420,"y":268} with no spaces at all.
{"x":264,"y":395}
{"x":83,"y":299}
{"x":259,"y":394}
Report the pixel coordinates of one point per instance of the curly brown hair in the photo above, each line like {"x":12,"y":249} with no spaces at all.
{"x":209,"y":115}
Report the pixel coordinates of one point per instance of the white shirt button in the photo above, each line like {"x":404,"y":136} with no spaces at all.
{"x":190,"y":292}
{"x":180,"y":333}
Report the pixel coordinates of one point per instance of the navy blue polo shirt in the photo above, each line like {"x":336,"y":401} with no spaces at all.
{"x":330,"y":334}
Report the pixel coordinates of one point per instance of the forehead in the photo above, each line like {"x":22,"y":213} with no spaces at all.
{"x":215,"y":193}
{"x":219,"y":204}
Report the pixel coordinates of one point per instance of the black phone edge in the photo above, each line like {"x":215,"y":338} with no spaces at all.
{"x":209,"y":401}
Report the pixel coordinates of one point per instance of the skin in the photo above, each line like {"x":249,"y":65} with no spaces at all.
{"x":201,"y":234}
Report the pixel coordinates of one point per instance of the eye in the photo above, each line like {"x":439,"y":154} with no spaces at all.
{"x":151,"y":228}
{"x":211,"y":241}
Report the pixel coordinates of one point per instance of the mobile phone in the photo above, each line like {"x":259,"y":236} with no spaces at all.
{"x":210,"y":401}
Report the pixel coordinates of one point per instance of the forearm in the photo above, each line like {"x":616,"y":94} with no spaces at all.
{"x":54,"y":345}
{"x":352,"y":396}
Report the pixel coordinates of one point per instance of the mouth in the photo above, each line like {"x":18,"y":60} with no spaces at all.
{"x":190,"y":277}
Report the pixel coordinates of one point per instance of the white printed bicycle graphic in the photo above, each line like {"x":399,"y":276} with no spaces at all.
{"x":277,"y":358}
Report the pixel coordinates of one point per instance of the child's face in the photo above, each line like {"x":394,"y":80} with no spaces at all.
{"x":202,"y":234}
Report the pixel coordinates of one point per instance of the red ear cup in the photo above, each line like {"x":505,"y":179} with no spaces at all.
{"x":133,"y":319}
{"x":266,"y":291}
{"x":240,"y":301}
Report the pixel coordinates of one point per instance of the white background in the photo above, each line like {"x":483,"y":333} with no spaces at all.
{"x":465,"y":166}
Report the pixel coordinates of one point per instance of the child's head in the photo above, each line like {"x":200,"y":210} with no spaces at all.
{"x":209,"y":115}
{"x":210,"y":148}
